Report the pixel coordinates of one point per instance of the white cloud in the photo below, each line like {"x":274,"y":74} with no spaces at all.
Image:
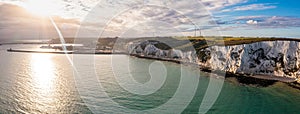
{"x":252,"y":22}
{"x":80,"y":8}
{"x":250,"y":17}
{"x":177,"y":13}
{"x":220,"y":4}
{"x":250,"y":7}
{"x":263,"y":22}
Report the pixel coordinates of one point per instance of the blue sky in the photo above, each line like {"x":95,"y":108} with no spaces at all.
{"x":256,"y":18}
{"x":282,"y":8}
{"x":278,"y":18}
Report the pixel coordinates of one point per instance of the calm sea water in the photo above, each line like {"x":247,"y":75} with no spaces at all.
{"x":46,"y":83}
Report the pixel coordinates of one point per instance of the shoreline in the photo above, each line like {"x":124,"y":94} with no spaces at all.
{"x":62,"y":52}
{"x":258,"y":80}
{"x":255,"y":80}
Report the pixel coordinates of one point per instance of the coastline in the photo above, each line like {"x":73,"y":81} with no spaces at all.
{"x":245,"y":79}
{"x":258,"y":80}
{"x":62,"y":52}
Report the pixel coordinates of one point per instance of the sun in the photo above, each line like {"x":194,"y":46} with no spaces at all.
{"x":41,"y":7}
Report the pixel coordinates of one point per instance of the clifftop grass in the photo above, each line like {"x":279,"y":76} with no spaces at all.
{"x":182,"y":43}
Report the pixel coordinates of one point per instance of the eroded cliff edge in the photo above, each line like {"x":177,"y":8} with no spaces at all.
{"x":267,"y":58}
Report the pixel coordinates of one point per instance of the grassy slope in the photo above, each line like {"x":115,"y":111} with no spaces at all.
{"x":183,"y":42}
{"x":203,"y":42}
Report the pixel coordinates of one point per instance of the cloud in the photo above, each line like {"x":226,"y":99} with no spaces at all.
{"x":179,"y":15}
{"x":182,"y":16}
{"x":256,"y":17}
{"x":79,"y":8}
{"x":17,"y":23}
{"x":280,"y":22}
{"x":153,"y":18}
{"x":272,"y":21}
{"x":262,"y":22}
{"x":219,"y":4}
{"x":73,"y":12}
{"x":253,"y":7}
{"x":252,"y":22}
{"x":65,"y":8}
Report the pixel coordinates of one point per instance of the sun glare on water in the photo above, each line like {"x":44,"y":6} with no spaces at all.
{"x":41,"y":7}
{"x":43,"y":71}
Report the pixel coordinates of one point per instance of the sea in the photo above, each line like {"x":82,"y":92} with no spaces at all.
{"x":60,"y":83}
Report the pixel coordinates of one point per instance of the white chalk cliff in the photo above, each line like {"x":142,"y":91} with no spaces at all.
{"x":273,"y":58}
{"x":148,"y":48}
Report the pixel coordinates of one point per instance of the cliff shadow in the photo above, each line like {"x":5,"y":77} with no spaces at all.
{"x":250,"y":81}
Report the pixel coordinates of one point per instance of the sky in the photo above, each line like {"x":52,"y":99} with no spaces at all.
{"x":30,"y":19}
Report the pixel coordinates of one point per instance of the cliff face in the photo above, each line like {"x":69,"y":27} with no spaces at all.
{"x":276,"y":58}
{"x":279,"y":58}
{"x":157,"y":49}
